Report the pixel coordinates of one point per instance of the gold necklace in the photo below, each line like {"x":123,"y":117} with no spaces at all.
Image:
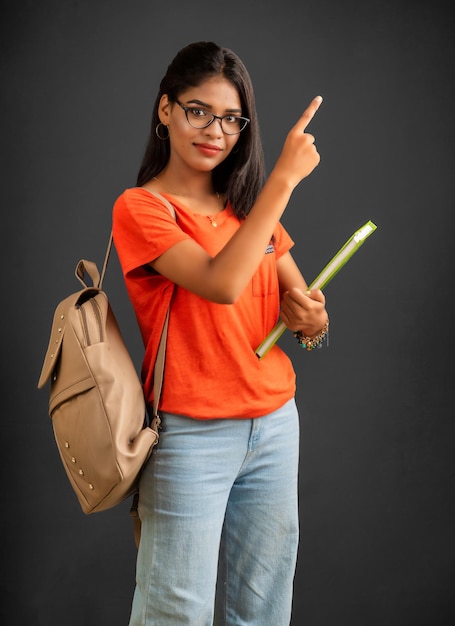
{"x":212,"y":221}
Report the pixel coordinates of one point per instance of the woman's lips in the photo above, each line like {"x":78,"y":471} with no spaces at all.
{"x":208,"y":149}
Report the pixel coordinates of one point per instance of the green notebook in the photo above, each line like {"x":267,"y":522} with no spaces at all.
{"x":329,"y":271}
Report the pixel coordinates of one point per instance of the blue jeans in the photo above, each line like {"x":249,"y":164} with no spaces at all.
{"x":219,"y":511}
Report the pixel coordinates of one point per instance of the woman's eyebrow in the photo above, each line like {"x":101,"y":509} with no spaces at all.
{"x":209,"y":106}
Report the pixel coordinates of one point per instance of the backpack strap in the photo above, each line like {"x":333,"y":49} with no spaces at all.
{"x":158,"y":371}
{"x":106,"y":259}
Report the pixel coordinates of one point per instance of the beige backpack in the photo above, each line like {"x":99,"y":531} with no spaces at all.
{"x":96,"y":400}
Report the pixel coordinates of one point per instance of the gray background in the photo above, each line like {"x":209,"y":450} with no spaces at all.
{"x":377,"y":501}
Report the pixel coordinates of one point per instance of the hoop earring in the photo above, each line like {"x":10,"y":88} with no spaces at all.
{"x":157,"y":131}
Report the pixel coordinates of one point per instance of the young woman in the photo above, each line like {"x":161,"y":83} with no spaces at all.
{"x":218,"y":498}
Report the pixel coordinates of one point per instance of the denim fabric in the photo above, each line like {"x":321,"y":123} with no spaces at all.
{"x":218,"y":499}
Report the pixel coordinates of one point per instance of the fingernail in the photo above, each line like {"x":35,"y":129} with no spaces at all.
{"x":319,"y":98}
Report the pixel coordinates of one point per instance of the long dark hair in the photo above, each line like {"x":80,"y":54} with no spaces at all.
{"x":241,"y":175}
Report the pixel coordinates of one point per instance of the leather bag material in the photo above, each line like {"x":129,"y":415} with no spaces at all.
{"x":96,"y":402}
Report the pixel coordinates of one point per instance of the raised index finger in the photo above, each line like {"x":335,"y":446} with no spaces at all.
{"x":309,"y":113}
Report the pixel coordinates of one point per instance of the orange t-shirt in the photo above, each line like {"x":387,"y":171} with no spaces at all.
{"x":211,"y":369}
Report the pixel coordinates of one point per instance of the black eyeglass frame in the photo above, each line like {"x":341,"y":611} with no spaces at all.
{"x":246,"y":120}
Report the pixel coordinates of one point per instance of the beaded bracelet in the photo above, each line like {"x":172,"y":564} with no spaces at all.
{"x":309,"y":343}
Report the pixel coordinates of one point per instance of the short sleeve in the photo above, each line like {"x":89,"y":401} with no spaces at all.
{"x":143,"y":228}
{"x":282,"y":242}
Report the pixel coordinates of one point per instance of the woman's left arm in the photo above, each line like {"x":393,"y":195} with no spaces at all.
{"x":300,"y":309}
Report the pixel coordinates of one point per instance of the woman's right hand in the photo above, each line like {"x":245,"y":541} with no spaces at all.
{"x":299,"y":156}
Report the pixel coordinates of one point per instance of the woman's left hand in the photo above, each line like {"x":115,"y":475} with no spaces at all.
{"x":304,"y":311}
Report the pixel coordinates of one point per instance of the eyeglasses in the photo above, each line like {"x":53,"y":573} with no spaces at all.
{"x":200,"y":118}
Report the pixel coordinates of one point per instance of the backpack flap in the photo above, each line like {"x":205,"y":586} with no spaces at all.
{"x":55,"y":341}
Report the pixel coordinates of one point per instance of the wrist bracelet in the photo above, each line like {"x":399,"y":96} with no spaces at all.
{"x":309,"y":343}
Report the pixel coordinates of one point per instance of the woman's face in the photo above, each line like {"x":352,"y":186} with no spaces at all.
{"x":201,"y":149}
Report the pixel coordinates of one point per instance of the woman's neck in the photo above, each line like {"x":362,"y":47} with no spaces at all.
{"x":196,"y":192}
{"x":190,"y":185}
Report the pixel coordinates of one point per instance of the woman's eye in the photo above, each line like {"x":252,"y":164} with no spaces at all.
{"x":198,"y":112}
{"x":231,"y":119}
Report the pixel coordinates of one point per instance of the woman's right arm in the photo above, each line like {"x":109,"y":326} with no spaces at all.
{"x":222,"y":278}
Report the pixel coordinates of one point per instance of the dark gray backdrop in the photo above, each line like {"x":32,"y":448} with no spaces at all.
{"x":377,"y":502}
